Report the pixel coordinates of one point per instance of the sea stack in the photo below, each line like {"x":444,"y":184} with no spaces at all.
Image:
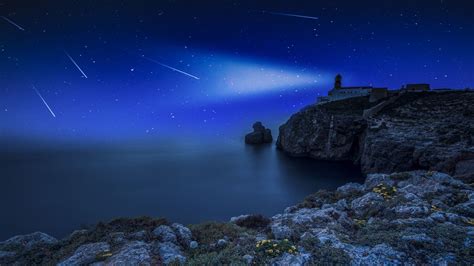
{"x":260,"y":135}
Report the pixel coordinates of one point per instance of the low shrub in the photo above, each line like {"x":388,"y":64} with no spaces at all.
{"x":257,"y":222}
{"x":317,"y":199}
{"x":266,"y":250}
{"x":209,"y":232}
{"x":228,"y":256}
{"x":400,"y":176}
{"x":387,"y":192}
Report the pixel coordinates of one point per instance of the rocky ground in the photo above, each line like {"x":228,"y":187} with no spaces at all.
{"x":417,"y":217}
{"x":412,"y":131}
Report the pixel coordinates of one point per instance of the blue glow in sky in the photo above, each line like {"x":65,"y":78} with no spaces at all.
{"x":235,"y":78}
{"x":140,"y":69}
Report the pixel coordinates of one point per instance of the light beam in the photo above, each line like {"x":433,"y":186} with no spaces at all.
{"x":45,"y":103}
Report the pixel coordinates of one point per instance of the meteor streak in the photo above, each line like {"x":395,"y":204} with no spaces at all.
{"x":45,"y":103}
{"x":169,"y":67}
{"x":74,"y":62}
{"x":290,"y":15}
{"x":13,"y":23}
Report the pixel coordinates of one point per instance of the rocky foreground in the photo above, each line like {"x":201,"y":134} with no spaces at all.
{"x":417,"y":217}
{"x":410,"y":131}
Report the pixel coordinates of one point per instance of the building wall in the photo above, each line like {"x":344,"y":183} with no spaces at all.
{"x":339,"y":94}
{"x":417,"y":87}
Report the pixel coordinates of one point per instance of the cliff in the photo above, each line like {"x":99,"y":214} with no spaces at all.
{"x":416,"y":217}
{"x":430,"y":130}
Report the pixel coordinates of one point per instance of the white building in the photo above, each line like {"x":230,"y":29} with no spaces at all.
{"x":339,"y":92}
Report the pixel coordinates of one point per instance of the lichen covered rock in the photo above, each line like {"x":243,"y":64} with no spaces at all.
{"x":86,"y":254}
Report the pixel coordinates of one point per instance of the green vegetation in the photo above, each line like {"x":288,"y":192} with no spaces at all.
{"x":257,"y":222}
{"x":387,"y":192}
{"x":324,"y":254}
{"x":52,"y":254}
{"x":210,"y":232}
{"x":273,"y":248}
{"x":400,"y":176}
{"x":231,"y":255}
{"x":317,"y":199}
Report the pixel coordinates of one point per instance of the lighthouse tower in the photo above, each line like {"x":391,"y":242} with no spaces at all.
{"x":338,"y":81}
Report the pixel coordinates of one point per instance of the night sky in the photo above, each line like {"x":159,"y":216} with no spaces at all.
{"x":150,"y":69}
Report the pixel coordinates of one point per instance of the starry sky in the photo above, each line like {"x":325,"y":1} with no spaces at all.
{"x":105,"y":70}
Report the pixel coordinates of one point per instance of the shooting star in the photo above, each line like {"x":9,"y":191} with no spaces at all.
{"x":170,"y":67}
{"x":74,"y":62}
{"x":45,"y":103}
{"x":290,"y":15}
{"x":13,"y":23}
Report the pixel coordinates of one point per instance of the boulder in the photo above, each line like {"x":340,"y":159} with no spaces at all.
{"x":469,"y":241}
{"x":292,"y":259}
{"x":183,"y":233}
{"x":28,"y":241}
{"x":117,"y":238}
{"x":132,"y":253}
{"x":326,"y":236}
{"x":165,"y":234}
{"x":417,"y":238}
{"x":170,"y":253}
{"x":381,"y":254}
{"x":260,"y":135}
{"x":248,"y":258}
{"x":239,"y":218}
{"x":140,"y":235}
{"x":374,"y":180}
{"x":193,"y":244}
{"x":280,"y":231}
{"x":349,"y":189}
{"x":411,"y":211}
{"x":86,"y":254}
{"x":369,"y":202}
{"x":253,"y":221}
{"x":222,"y":242}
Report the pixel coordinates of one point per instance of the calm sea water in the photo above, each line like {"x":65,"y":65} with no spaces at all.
{"x":59,"y":190}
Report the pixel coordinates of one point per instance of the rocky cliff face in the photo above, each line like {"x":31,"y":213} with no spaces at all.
{"x":417,"y":217}
{"x":433,"y":131}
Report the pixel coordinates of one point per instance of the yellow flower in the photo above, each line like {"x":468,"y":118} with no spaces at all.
{"x":270,"y":251}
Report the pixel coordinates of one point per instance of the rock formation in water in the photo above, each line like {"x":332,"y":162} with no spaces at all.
{"x":260,"y":135}
{"x":410,"y":131}
{"x":414,"y":218}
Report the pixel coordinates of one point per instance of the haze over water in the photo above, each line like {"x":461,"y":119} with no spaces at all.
{"x":56,"y":189}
